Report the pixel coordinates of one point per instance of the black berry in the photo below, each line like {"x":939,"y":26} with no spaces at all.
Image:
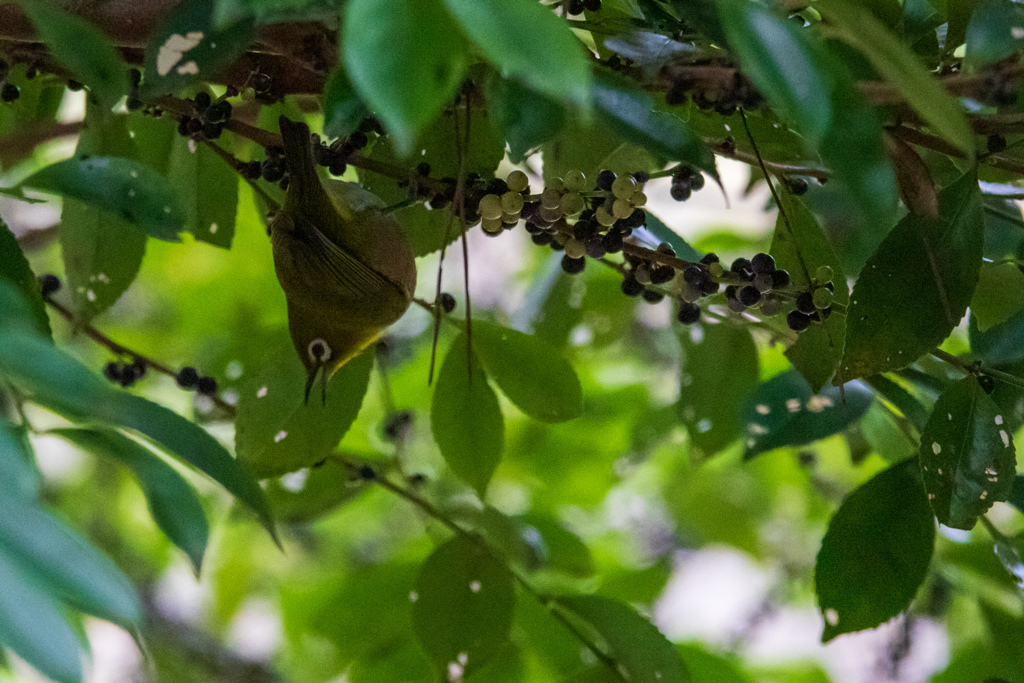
{"x":749,"y":295}
{"x":630,"y":286}
{"x":207,"y":386}
{"x":423,"y":169}
{"x":49,"y":284}
{"x":652,"y":296}
{"x":113,"y":371}
{"x":688,"y":313}
{"x":201,"y":102}
{"x":797,"y":186}
{"x":797,"y":321}
{"x":987,"y":384}
{"x":397,"y":425}
{"x":662,"y":274}
{"x":447,"y":302}
{"x":9,"y":92}
{"x":762,"y":263}
{"x":573,"y":266}
{"x":605,"y":179}
{"x":996,"y":143}
{"x":187,"y":378}
{"x":780,"y":278}
{"x":367,"y":472}
{"x":805,"y":303}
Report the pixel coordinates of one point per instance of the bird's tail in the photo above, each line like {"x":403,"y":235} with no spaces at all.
{"x":304,"y":188}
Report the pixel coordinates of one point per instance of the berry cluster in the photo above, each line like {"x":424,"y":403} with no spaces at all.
{"x":273,"y":169}
{"x":501,"y":208}
{"x":189,"y":378}
{"x":685,"y":181}
{"x":125,"y":374}
{"x":758,"y":278}
{"x":576,"y":7}
{"x":813,"y":306}
{"x":8,"y":92}
{"x":335,"y":156}
{"x":208,"y":117}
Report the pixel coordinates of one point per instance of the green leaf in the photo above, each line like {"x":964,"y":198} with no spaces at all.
{"x":875,"y":553}
{"x":129,"y":189}
{"x":102,"y":255}
{"x":557,"y":548}
{"x":719,"y":373}
{"x":937,"y":260}
{"x":81,"y":47}
{"x":524,"y":39}
{"x":210,"y":189}
{"x":343,"y":110}
{"x":277,"y":432}
{"x":1001,"y":344}
{"x":406,"y":58}
{"x":967,"y":455}
{"x":67,"y":563}
{"x":33,"y":625}
{"x":901,"y":67}
{"x":526,"y":117}
{"x":190,"y":46}
{"x":800,"y":246}
{"x":15,"y":269}
{"x":990,"y":32}
{"x":630,"y":112}
{"x":308,"y":494}
{"x":706,"y":667}
{"x":173,"y":502}
{"x":462,"y":606}
{"x":639,"y":649}
{"x":999,"y":295}
{"x":784,"y":411}
{"x":530,"y":372}
{"x":54,"y":379}
{"x":781,"y":62}
{"x":902,"y":399}
{"x":666,"y":234}
{"x":466,"y":419}
{"x":19,"y":478}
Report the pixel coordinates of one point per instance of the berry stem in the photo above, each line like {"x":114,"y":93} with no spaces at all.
{"x":975,"y":369}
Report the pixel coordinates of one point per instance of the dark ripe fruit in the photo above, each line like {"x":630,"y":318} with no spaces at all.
{"x":592,"y":5}
{"x":730,"y":292}
{"x":635,"y":220}
{"x":688,"y":313}
{"x":677,"y":92}
{"x":212,"y":131}
{"x":135,"y":77}
{"x":652,"y":296}
{"x":201,"y":102}
{"x":780,"y":278}
{"x":762,"y":263}
{"x":397,"y":425}
{"x":423,"y":169}
{"x":497,"y":186}
{"x":605,"y":179}
{"x":133,"y":103}
{"x":367,"y":472}
{"x":358,"y":140}
{"x":666,"y":248}
{"x":749,"y":296}
{"x":337,"y":167}
{"x":996,"y":143}
{"x":49,"y":284}
{"x":183,"y":127}
{"x":805,"y":303}
{"x":207,"y":386}
{"x":187,"y":378}
{"x":574,"y":7}
{"x":260,"y":82}
{"x":595,"y":247}
{"x":573,"y":266}
{"x":641,"y":176}
{"x":584,"y":230}
{"x":447,"y":302}
{"x":709,"y":287}
{"x":710,"y":258}
{"x":987,"y":384}
{"x":697,"y":182}
{"x":662,"y":274}
{"x":763,"y":282}
{"x":797,"y":321}
{"x":272,"y":170}
{"x":680,"y":191}
{"x":797,"y":186}
{"x":695,"y":275}
{"x":113,"y":371}
{"x":736,"y":305}
{"x":542,"y":238}
{"x":630,"y":287}
{"x":130,"y":373}
{"x":195,"y":126}
{"x":740,"y":266}
{"x":252,"y":170}
{"x":612,"y":241}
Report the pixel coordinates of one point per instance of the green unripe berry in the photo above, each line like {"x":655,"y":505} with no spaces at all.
{"x":511,"y":202}
{"x":492,"y":226}
{"x":572,"y":203}
{"x":550,"y":198}
{"x":517,"y":181}
{"x":574,"y":248}
{"x":715,"y":269}
{"x":621,"y":208}
{"x":623,"y":187}
{"x":822,"y":297}
{"x":603,"y":216}
{"x":490,"y":207}
{"x":824,"y":275}
{"x":574,"y":181}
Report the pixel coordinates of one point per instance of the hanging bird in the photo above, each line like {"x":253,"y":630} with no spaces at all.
{"x":346,"y":273}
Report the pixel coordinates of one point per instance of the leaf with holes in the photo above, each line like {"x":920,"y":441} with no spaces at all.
{"x":785,"y":412}
{"x":173,"y":502}
{"x":210,"y":189}
{"x":916,"y":286}
{"x":406,"y":58}
{"x":462,"y":606}
{"x":126,"y":188}
{"x":875,"y":553}
{"x":967,"y":455}
{"x":719,"y":374}
{"x":277,"y":433}
{"x":530,"y":372}
{"x":636,"y":645}
{"x":800,"y":247}
{"x":465,"y":417}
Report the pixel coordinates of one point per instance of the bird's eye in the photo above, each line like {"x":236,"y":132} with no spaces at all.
{"x":319,"y":351}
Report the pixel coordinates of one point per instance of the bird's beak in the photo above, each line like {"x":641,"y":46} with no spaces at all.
{"x":311,"y":379}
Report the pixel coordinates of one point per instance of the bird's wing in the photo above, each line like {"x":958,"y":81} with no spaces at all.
{"x":339,"y":267}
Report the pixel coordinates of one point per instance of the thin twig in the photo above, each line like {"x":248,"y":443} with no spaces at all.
{"x":975,"y":368}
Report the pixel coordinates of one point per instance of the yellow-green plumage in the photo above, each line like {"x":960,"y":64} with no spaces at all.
{"x":346,"y":274}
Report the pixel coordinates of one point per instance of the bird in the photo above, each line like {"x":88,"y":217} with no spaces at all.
{"x":347,"y":272}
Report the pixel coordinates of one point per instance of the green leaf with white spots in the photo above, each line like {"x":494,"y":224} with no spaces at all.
{"x":639,"y":649}
{"x":875,"y":553}
{"x":308,"y":494}
{"x":173,"y":503}
{"x":276,"y":432}
{"x":465,"y":417}
{"x":462,"y":607}
{"x":530,"y":372}
{"x":15,"y":269}
{"x":210,"y":189}
{"x":967,"y":455}
{"x":719,"y":374}
{"x":190,"y":46}
{"x":998,"y":296}
{"x":126,"y":188}
{"x":916,"y":287}
{"x":784,"y":411}
{"x":406,"y":58}
{"x":800,"y":247}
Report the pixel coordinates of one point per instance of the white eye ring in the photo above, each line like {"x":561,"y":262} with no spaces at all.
{"x":321,"y":354}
